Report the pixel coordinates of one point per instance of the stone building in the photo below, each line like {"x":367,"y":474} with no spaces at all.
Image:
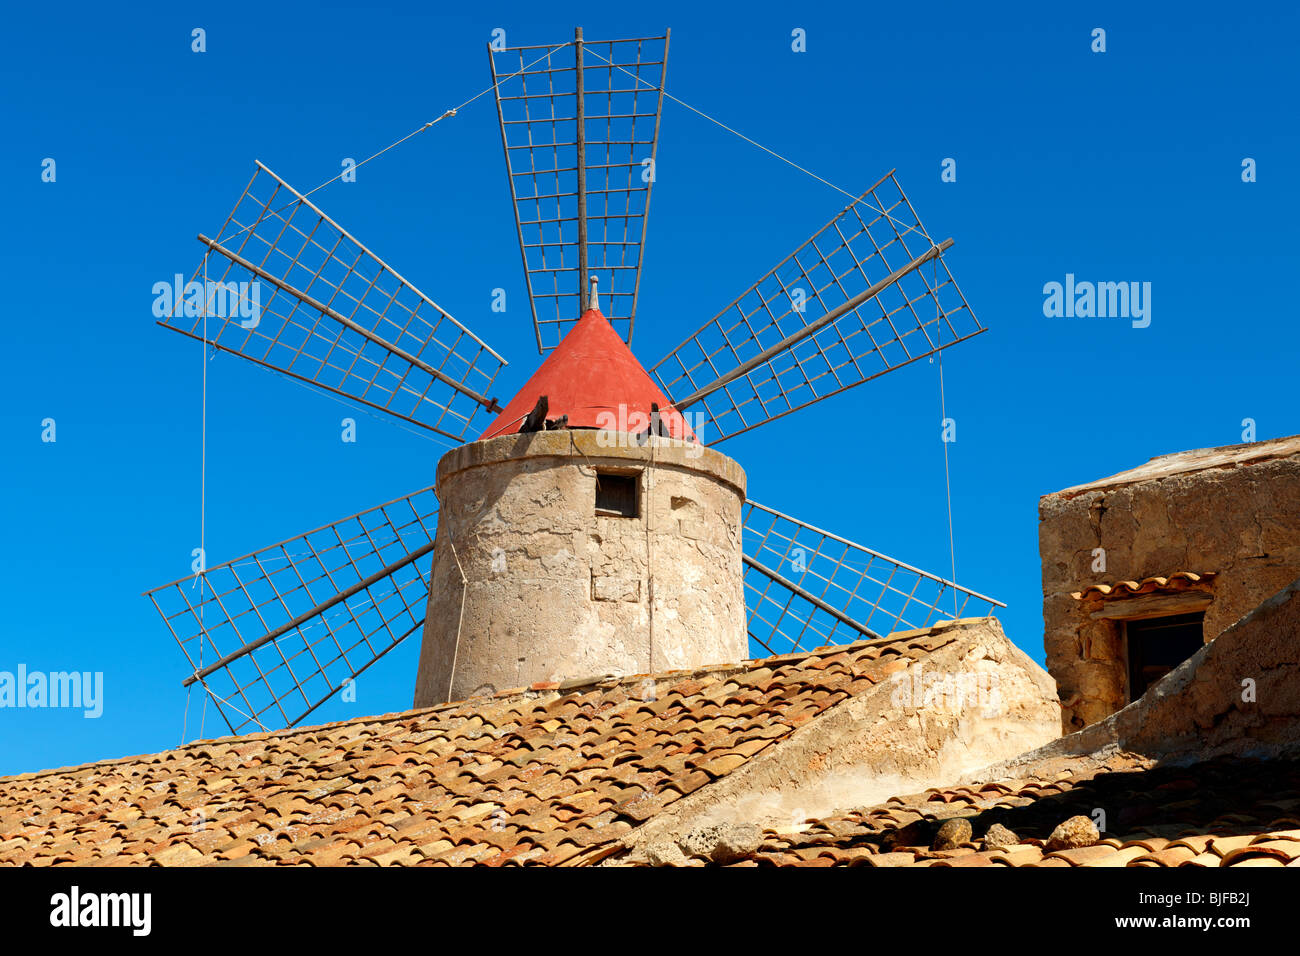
{"x":1144,"y":567}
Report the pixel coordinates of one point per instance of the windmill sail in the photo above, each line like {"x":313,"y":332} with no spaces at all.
{"x":580,"y":125}
{"x":805,"y":587}
{"x":867,"y":293}
{"x":272,"y":635}
{"x":286,"y":287}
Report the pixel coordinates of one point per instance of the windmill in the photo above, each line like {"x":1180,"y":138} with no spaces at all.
{"x":274,"y":634}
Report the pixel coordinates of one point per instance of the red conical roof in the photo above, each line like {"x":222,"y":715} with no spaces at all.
{"x":593,"y":377}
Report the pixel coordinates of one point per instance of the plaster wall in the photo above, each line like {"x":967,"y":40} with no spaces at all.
{"x":531,"y":584}
{"x":885,"y":742}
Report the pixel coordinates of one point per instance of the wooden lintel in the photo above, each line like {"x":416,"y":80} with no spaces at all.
{"x":1153,"y":605}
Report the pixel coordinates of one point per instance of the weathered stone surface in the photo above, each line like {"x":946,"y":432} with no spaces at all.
{"x":1075,"y":832}
{"x":952,"y":833}
{"x":1238,"y":696}
{"x":529,"y":583}
{"x":1234,"y":511}
{"x":663,"y":853}
{"x":888,"y":739}
{"x":998,"y":836}
{"x":721,"y":843}
{"x":615,"y":587}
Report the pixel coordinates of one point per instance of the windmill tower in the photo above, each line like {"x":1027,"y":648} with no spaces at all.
{"x":583,"y":548}
{"x":591,"y":526}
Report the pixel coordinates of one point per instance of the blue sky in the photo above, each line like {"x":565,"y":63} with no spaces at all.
{"x":1116,"y":166}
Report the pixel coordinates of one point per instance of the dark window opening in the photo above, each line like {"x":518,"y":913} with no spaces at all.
{"x":1157,"y":645}
{"x":616,"y":495}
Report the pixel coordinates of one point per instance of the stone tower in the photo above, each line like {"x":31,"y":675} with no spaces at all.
{"x":573,"y":543}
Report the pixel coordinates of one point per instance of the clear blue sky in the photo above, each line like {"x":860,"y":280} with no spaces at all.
{"x":1122,"y":166}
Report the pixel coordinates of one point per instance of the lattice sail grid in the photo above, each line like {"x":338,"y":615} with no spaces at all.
{"x":293,"y":590}
{"x":805,"y":587}
{"x":367,"y":333}
{"x":915,"y":316}
{"x":537,"y":103}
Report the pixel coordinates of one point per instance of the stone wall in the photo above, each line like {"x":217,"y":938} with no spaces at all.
{"x":1234,"y":511}
{"x":887,"y":740}
{"x":553,"y":591}
{"x":1238,"y":696}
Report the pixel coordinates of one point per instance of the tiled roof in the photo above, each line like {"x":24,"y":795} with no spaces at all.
{"x":1178,"y":581}
{"x":545,"y":775}
{"x":1225,"y":812}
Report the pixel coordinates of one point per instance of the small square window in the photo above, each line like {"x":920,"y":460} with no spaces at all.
{"x":616,"y":495}
{"x":1157,"y":645}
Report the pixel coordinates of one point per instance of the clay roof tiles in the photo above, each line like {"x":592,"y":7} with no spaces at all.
{"x":542,"y":775}
{"x":1222,"y":812}
{"x":537,"y":775}
{"x":1178,"y":581}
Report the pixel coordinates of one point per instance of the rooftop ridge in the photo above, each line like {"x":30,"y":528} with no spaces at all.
{"x":1194,"y":460}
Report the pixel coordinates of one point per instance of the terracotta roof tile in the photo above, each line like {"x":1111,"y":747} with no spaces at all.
{"x":1019,"y":855}
{"x":1084,"y":855}
{"x":971,"y":859}
{"x":1178,"y":581}
{"x":1255,"y":861}
{"x":1184,"y":825}
{"x":1283,"y":850}
{"x":1122,"y":856}
{"x":562,"y":775}
{"x":1169,"y":856}
{"x":548,"y":774}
